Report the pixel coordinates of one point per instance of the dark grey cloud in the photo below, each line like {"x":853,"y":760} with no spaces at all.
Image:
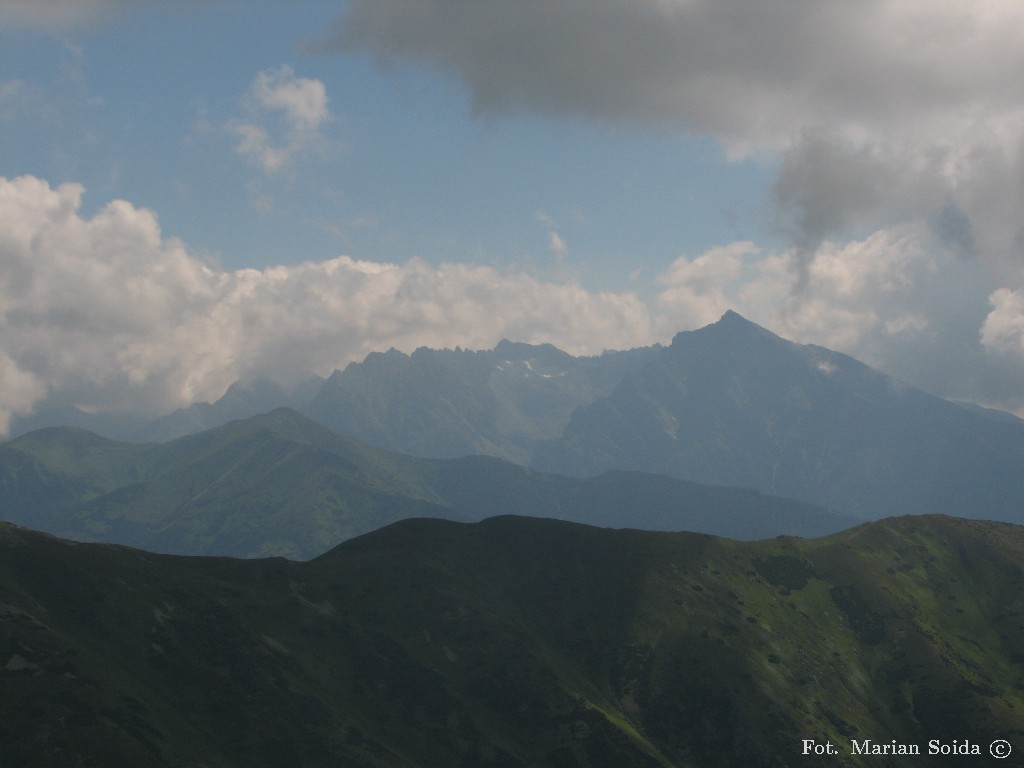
{"x":953,"y":227}
{"x":750,"y":74}
{"x":877,"y":112}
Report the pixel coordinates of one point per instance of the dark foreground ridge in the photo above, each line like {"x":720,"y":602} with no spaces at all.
{"x":515,"y":642}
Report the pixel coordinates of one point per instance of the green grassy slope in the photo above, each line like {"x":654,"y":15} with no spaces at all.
{"x":514,"y":642}
{"x":63,"y":465}
{"x":273,"y":484}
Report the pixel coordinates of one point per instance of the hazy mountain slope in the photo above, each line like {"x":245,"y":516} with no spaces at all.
{"x":617,"y":499}
{"x":60,"y":466}
{"x":273,"y":484}
{"x":514,"y":642}
{"x":991,"y":413}
{"x":449,"y":403}
{"x":734,"y":404}
{"x":112,"y":425}
{"x":281,"y":484}
{"x":241,"y":401}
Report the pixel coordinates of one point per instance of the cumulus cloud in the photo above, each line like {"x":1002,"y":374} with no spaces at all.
{"x":299,"y":103}
{"x":967,"y":188}
{"x":301,"y":99}
{"x":695,"y":292}
{"x":1004,"y":327}
{"x":105,"y":313}
{"x":897,"y":300}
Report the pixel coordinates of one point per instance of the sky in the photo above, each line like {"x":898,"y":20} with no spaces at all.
{"x":204,"y":191}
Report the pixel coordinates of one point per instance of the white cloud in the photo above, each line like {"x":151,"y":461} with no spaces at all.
{"x":301,"y":99}
{"x":255,"y":144}
{"x":698,"y":291}
{"x":557,"y":247}
{"x":1003,"y":330}
{"x":896,"y":300}
{"x":866,"y":297}
{"x":104,"y":312}
{"x":301,"y":105}
{"x":19,"y":389}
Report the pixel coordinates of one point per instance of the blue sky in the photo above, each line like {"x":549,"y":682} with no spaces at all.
{"x":194,"y":193}
{"x":138,"y":104}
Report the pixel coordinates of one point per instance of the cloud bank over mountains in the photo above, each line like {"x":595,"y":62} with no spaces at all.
{"x":104,"y":312}
{"x":894,"y":130}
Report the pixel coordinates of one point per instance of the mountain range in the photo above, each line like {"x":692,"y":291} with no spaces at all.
{"x":281,"y":484}
{"x":734,"y":404}
{"x":444,"y":605}
{"x":450,"y":403}
{"x":731,"y":404}
{"x":517,"y":642}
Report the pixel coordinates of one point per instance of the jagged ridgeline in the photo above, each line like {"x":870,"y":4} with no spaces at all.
{"x":734,"y":404}
{"x":729,"y":404}
{"x":515,"y":642}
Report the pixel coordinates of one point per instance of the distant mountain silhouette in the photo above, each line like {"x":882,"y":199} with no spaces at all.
{"x":734,"y":404}
{"x":241,"y":401}
{"x":448,"y":403}
{"x":281,"y":484}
